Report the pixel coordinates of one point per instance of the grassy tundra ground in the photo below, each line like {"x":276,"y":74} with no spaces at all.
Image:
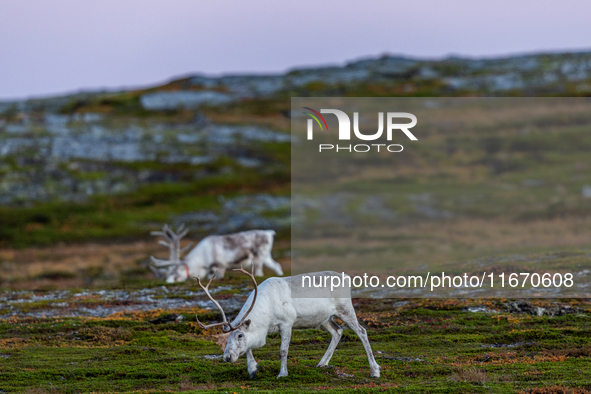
{"x":80,"y":312}
{"x":443,"y":346}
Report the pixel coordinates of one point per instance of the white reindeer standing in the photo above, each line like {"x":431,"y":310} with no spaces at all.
{"x":214,"y":252}
{"x":270,"y":308}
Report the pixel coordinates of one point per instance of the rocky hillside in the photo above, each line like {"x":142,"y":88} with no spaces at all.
{"x":171,"y":151}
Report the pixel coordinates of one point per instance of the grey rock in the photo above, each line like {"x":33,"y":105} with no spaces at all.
{"x":15,"y":145}
{"x":90,"y":147}
{"x":248,"y":162}
{"x":90,"y":117}
{"x":213,"y":356}
{"x":183,"y":99}
{"x":196,"y":160}
{"x":555,"y":310}
{"x":503,"y":345}
{"x":244,"y":86}
{"x":17,"y":128}
{"x":221,"y":134}
{"x":57,"y":123}
{"x":188,"y":138}
{"x":478,"y":309}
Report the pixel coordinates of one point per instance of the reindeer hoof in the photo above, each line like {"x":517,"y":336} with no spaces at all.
{"x":281,"y":375}
{"x":253,"y":374}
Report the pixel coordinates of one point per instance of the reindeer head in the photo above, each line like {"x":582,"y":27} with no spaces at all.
{"x":173,"y":269}
{"x":237,"y":343}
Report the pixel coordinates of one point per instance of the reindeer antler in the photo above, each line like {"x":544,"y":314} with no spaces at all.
{"x":225,"y":320}
{"x":172,"y":240}
{"x":250,"y":274}
{"x":206,"y":289}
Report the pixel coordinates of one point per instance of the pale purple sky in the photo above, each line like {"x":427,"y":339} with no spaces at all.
{"x":57,"y":46}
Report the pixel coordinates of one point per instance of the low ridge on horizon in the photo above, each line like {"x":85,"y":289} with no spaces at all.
{"x":359,"y":62}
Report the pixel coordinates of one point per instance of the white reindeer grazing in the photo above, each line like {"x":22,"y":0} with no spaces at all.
{"x":215,"y":252}
{"x":274,"y":309}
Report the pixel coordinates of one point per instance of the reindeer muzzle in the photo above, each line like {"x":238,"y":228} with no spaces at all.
{"x":228,"y":359}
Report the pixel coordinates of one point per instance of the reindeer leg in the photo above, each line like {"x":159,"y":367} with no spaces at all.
{"x":221,"y":271}
{"x":252,"y":364}
{"x":336,"y":333}
{"x":349,"y":317}
{"x":285,"y":340}
{"x":258,"y":268}
{"x":258,"y":264}
{"x":273,"y":265}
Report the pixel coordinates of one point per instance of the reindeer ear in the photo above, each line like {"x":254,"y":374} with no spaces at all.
{"x":246,"y":324}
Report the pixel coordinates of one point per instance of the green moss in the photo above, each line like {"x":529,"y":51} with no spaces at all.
{"x":128,"y":215}
{"x":426,"y":348}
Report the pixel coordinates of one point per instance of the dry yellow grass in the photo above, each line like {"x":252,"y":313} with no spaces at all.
{"x":81,"y":265}
{"x":73,"y":263}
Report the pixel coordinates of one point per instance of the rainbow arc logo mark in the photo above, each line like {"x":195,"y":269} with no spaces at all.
{"x":316,"y":119}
